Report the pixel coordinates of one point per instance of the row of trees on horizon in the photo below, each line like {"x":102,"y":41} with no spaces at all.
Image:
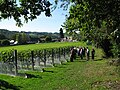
{"x":9,"y":37}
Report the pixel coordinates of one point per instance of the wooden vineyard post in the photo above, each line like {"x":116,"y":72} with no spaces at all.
{"x":32,"y":56}
{"x":53,"y":56}
{"x":59,"y":54}
{"x":39,"y":58}
{"x":45,"y":57}
{"x":64,"y":52}
{"x":15,"y":59}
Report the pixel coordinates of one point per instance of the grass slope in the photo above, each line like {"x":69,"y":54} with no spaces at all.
{"x":77,"y":75}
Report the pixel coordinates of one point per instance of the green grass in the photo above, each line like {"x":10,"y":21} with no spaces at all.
{"x":43,"y":46}
{"x":77,"y":75}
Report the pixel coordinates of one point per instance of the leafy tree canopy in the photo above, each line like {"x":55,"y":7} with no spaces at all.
{"x":61,"y":33}
{"x":27,"y":9}
{"x":97,"y":20}
{"x":88,"y":14}
{"x":2,"y":36}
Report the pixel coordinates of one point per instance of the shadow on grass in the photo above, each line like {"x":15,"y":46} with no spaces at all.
{"x":63,"y":65}
{"x":82,"y":60}
{"x":98,"y":59}
{"x":47,"y":70}
{"x":5,"y":85}
{"x":27,"y":75}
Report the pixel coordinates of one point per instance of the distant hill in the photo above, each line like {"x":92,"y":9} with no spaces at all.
{"x":9,"y":34}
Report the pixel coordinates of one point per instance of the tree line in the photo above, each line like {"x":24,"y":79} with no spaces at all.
{"x":26,"y":37}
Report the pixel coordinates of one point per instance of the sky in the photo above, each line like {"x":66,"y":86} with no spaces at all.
{"x":41,"y":24}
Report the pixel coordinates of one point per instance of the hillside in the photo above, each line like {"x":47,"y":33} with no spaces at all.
{"x":9,"y":34}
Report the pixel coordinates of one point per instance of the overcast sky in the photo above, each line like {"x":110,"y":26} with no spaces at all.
{"x":41,"y":24}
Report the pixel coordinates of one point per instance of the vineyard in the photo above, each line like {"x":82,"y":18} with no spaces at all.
{"x":49,"y":69}
{"x":42,"y":46}
{"x":15,"y":61}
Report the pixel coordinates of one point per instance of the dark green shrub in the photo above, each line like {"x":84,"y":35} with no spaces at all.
{"x":48,"y":39}
{"x":107,"y":47}
{"x":5,"y":43}
{"x":0,"y":43}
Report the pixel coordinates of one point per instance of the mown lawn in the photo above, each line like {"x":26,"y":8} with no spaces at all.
{"x":42,"y":46}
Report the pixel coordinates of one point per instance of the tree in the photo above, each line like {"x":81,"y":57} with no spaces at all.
{"x":13,"y":37}
{"x":33,"y":38}
{"x":61,"y":33}
{"x":5,"y":42}
{"x":48,"y":39}
{"x":87,"y":16}
{"x":19,"y":38}
{"x":24,"y":38}
{"x":96,"y":18}
{"x":2,"y":37}
{"x":28,"y":9}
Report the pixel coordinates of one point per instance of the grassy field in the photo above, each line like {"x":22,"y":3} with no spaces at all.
{"x":43,"y":46}
{"x":77,"y":75}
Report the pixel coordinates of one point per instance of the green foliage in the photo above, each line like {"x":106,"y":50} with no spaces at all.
{"x":8,"y":34}
{"x":107,"y":47}
{"x":61,"y":33}
{"x":48,"y":39}
{"x":24,"y":51}
{"x":24,"y":38}
{"x":6,"y":56}
{"x":79,"y":75}
{"x":97,"y":19}
{"x":21,"y":38}
{"x":25,"y":55}
{"x":115,"y":39}
{"x":42,"y":46}
{"x":28,"y":9}
{"x":31,"y":36}
{"x":5,"y":42}
{"x":0,"y":43}
{"x":2,"y":36}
